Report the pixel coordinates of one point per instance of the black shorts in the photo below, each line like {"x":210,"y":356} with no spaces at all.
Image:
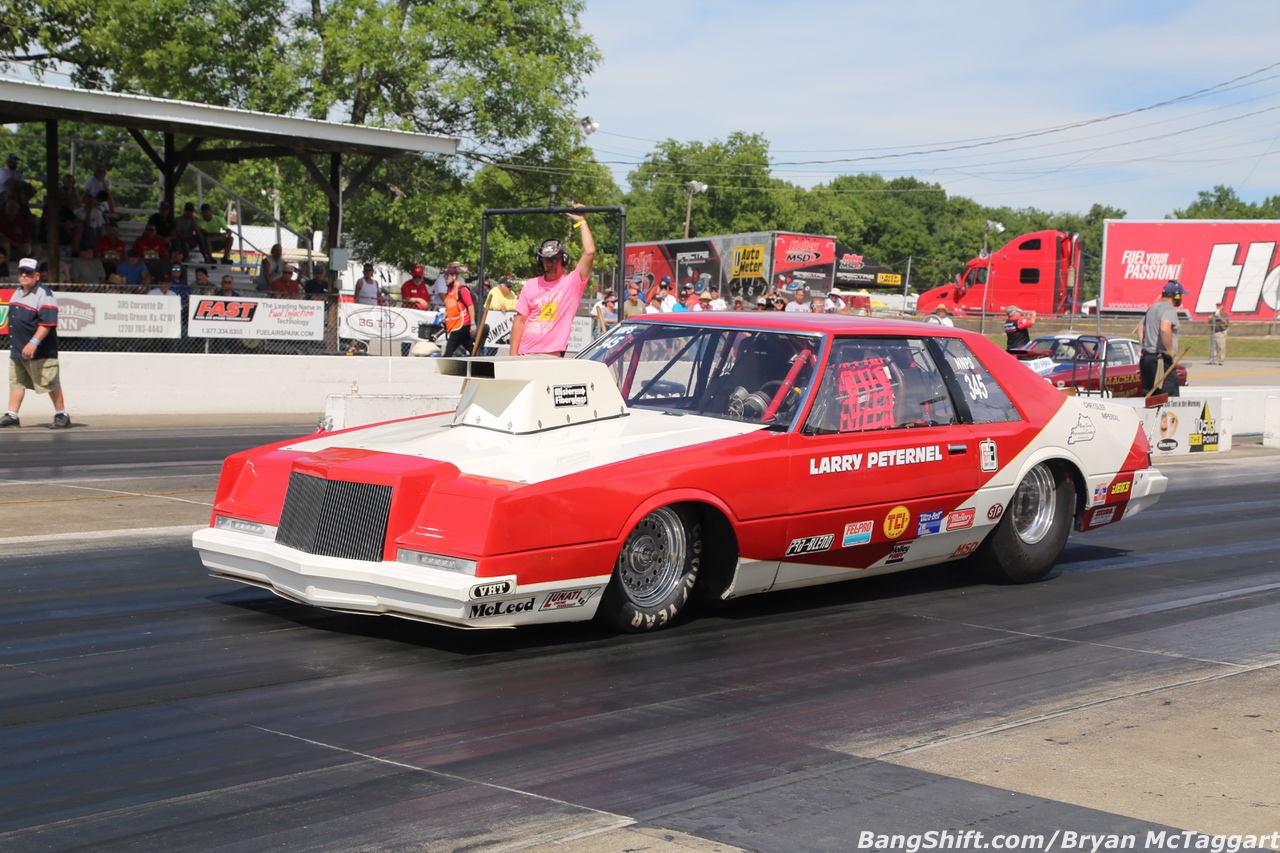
{"x":1151,"y":364}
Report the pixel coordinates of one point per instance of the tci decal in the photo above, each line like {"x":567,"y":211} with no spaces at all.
{"x":930,"y":522}
{"x":810,"y":544}
{"x":489,"y":590}
{"x":960,"y":519}
{"x":858,"y":533}
{"x":895,"y":523}
{"x":500,"y":608}
{"x":898,"y":552}
{"x":566,"y":598}
{"x":569,"y":395}
{"x":995,"y":512}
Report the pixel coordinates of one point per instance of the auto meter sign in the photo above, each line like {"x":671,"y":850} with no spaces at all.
{"x":1230,"y":261}
{"x":258,"y":319}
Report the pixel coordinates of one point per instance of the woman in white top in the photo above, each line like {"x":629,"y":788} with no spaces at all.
{"x":272,"y":267}
{"x":368,"y":292}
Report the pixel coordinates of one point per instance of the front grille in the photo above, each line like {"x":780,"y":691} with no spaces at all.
{"x":331,"y":518}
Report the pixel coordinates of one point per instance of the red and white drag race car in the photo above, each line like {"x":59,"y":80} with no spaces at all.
{"x":709,"y":455}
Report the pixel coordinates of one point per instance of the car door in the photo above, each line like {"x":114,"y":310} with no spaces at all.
{"x":879,"y":466}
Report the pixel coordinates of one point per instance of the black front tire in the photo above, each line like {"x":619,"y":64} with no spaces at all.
{"x":1031,"y":534}
{"x":656,"y":571}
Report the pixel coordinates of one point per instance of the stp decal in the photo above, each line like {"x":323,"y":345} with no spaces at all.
{"x":995,"y":512}
{"x":858,"y":533}
{"x":810,"y":544}
{"x":895,"y":523}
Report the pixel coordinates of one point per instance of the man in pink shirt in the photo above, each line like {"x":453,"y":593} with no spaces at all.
{"x":548,"y":303}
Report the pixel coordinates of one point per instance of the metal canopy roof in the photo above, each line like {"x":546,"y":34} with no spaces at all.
{"x":22,"y":101}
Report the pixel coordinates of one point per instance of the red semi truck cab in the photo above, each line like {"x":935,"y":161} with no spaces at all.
{"x":1037,"y":272}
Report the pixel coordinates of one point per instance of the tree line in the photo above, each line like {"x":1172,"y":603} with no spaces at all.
{"x":504,"y":77}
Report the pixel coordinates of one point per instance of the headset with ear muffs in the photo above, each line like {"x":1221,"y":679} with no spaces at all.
{"x":548,"y":250}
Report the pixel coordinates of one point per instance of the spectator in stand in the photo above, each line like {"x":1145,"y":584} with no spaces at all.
{"x":834,"y":303}
{"x":317,"y":287}
{"x":115,"y":284}
{"x":89,"y":222}
{"x":441,"y":288}
{"x":704,"y":302}
{"x":1017,"y":326}
{"x":548,"y":303}
{"x":655,"y":304}
{"x":598,"y":326}
{"x":800,"y":302}
{"x":178,"y":279}
{"x":109,"y":248}
{"x":163,"y":222}
{"x":10,"y":177}
{"x":285,"y":287}
{"x":33,"y":346}
{"x":99,"y":186}
{"x":416,"y":293}
{"x":86,"y":269}
{"x":228,"y":288}
{"x":502,"y":299}
{"x":4,"y":267}
{"x":132,"y":270}
{"x":66,"y":216}
{"x":272,"y":266}
{"x":214,"y":234}
{"x":153,"y":251}
{"x":15,"y":233}
{"x":940,"y":316}
{"x":716,"y":303}
{"x":367,"y":289}
{"x":739,"y":304}
{"x":668,"y":298}
{"x":202,"y":287}
{"x":780,"y":303}
{"x":459,"y":315}
{"x":187,"y":230}
{"x":632,"y":306}
{"x":610,"y":311}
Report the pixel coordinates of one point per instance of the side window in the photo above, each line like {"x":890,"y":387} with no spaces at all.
{"x":879,"y":383}
{"x":1032,"y":245}
{"x":988,"y":403}
{"x":1029,"y":275}
{"x":1119,"y":353}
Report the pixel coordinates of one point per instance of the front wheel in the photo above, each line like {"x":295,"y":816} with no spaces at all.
{"x":656,"y":571}
{"x":1033,"y":531}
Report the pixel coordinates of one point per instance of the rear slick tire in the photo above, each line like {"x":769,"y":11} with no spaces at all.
{"x":1030,"y":536}
{"x":655,"y":573}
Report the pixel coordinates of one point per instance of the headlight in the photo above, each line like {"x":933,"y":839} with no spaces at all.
{"x":436,"y":561}
{"x":239,"y":525}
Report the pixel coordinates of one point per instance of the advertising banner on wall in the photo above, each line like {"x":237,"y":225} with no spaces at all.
{"x":118,"y":315}
{"x":382,"y":322}
{"x":1186,"y":425}
{"x":260,"y":319}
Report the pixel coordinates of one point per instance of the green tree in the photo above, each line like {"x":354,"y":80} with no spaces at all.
{"x":1222,"y":202}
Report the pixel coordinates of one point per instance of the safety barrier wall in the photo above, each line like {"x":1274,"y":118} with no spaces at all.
{"x":125,"y":383}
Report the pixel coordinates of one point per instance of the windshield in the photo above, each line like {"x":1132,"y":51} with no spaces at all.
{"x":739,"y":374}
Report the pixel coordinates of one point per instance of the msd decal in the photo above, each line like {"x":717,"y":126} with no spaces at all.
{"x":810,"y":544}
{"x":851,"y":261}
{"x":224,"y":309}
{"x":965,"y":549}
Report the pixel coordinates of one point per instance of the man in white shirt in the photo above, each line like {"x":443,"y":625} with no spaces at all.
{"x":940,"y":316}
{"x":668,"y":298}
{"x":833,"y":304}
{"x":717,"y":304}
{"x":801,"y":302}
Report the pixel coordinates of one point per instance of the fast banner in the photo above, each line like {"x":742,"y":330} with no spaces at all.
{"x":1228,"y":261}
{"x":382,"y":322}
{"x":118,"y":315}
{"x":263,"y":319}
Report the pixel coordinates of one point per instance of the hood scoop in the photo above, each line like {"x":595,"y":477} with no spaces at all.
{"x":528,"y":394}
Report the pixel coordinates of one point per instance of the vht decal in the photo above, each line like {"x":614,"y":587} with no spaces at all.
{"x":500,"y":608}
{"x":489,"y":590}
{"x":810,"y":544}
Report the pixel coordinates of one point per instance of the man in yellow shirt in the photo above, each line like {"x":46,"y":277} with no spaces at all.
{"x":501,"y":299}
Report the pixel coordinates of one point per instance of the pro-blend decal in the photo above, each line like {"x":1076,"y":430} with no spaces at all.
{"x":810,"y":544}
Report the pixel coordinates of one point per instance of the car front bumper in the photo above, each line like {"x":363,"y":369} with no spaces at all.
{"x":394,"y":589}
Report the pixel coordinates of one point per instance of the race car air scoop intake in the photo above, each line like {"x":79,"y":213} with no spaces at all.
{"x":527,"y":394}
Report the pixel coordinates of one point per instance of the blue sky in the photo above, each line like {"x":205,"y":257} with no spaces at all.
{"x":868,"y":83}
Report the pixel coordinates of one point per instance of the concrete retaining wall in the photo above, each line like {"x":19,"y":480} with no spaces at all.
{"x":98,"y":383}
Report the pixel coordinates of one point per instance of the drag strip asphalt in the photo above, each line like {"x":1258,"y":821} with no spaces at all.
{"x":147,"y":706}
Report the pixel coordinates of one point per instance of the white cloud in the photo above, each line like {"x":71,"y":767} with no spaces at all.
{"x":830,"y":80}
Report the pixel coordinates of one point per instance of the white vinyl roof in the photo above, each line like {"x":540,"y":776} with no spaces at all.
{"x":22,"y":101}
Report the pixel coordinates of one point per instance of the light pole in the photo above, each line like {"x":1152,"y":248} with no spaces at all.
{"x":694,"y":187}
{"x":992,"y":225}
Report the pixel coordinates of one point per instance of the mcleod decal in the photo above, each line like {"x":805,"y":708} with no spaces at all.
{"x":930,"y":522}
{"x":961,"y":518}
{"x":876,"y":459}
{"x":898,"y":553}
{"x":500,"y":608}
{"x":567,"y":598}
{"x":896,"y":522}
{"x":810,"y":544}
{"x":858,"y":533}
{"x":489,"y":590}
